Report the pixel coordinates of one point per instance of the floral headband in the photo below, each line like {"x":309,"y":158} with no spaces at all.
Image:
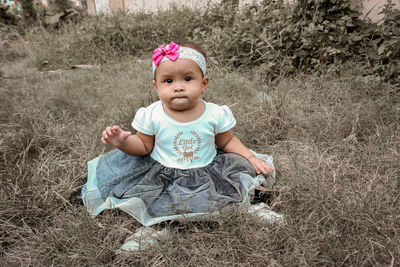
{"x":173,"y":52}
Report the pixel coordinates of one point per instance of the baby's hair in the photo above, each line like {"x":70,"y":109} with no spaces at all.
{"x":190,"y":44}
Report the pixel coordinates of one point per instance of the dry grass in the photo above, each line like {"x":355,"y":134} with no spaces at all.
{"x":335,"y":140}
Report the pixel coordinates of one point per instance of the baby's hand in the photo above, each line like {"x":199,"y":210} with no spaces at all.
{"x":114,"y":136}
{"x":260,"y":165}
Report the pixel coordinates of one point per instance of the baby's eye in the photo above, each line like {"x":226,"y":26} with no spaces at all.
{"x":168,"y":80}
{"x":188,"y":78}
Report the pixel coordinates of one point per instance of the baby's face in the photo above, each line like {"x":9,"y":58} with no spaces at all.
{"x":180,"y":84}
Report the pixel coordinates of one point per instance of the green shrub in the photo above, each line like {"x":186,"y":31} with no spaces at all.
{"x":308,"y":36}
{"x":387,"y":47}
{"x":272,"y":37}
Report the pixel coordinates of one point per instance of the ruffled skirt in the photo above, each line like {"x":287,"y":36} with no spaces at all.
{"x":152,"y":193}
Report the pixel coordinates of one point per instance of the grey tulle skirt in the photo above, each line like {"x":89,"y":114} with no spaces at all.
{"x":152,"y":193}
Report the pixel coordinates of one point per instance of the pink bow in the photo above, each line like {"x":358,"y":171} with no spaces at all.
{"x":171,"y":52}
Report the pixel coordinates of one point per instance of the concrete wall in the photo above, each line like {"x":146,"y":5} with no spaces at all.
{"x":108,"y":7}
{"x":154,"y":5}
{"x":369,"y":8}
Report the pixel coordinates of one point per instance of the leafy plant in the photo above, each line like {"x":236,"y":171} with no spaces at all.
{"x":274,"y":38}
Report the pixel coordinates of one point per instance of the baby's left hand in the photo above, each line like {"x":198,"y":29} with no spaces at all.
{"x":261,"y":166}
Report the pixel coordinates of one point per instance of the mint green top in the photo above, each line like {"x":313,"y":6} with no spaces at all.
{"x":183,"y":145}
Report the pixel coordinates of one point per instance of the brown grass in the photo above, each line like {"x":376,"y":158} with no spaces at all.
{"x":335,"y":140}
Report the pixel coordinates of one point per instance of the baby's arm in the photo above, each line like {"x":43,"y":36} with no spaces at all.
{"x":228,"y":143}
{"x":136,"y":145}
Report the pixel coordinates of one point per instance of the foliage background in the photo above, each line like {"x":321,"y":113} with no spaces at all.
{"x":273,"y":37}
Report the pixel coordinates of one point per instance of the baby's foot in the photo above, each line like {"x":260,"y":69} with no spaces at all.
{"x":141,"y":239}
{"x":265,"y":213}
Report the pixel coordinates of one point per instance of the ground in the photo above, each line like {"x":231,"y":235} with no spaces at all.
{"x":334,"y":137}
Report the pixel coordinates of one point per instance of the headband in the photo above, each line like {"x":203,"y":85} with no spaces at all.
{"x":173,"y":52}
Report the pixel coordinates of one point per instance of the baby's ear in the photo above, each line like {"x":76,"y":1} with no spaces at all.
{"x":204,"y":84}
{"x":154,"y":83}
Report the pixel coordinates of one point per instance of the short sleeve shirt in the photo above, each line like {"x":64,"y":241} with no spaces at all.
{"x":183,"y":145}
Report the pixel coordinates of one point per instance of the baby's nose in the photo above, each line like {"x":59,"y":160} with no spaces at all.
{"x":179,"y":89}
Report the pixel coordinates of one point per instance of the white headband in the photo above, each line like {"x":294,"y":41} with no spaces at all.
{"x":174,"y":51}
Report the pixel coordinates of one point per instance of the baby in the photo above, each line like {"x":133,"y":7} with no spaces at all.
{"x":183,"y":158}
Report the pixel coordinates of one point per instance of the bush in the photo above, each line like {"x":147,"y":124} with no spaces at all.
{"x":285,"y":38}
{"x":275,"y":37}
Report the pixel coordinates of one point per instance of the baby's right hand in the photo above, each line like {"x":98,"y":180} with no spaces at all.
{"x":114,"y":136}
